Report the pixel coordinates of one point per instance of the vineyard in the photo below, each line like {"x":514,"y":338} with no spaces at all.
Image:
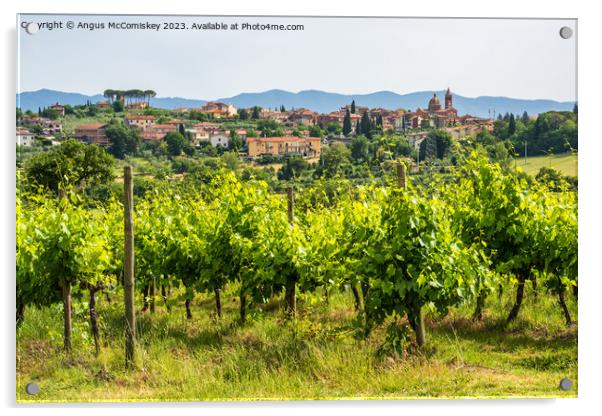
{"x":466,"y":286}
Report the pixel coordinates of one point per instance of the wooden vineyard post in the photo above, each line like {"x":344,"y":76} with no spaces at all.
{"x":418,"y":318}
{"x":291,"y":281}
{"x":67,"y":317}
{"x":401,"y":175}
{"x":128,"y":272}
{"x":67,"y":303}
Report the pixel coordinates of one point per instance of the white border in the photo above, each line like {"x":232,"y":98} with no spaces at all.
{"x":590,"y":338}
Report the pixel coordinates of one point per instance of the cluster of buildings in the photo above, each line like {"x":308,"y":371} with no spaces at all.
{"x":45,"y":128}
{"x":275,"y":146}
{"x":205,"y":133}
{"x":414,"y":123}
{"x":304,"y":117}
{"x":214,"y":109}
{"x":150,"y":130}
{"x":433,"y":116}
{"x":441,"y":118}
{"x":214,"y":134}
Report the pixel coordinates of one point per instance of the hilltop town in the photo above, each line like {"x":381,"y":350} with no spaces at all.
{"x":299,"y":131}
{"x":283,"y":144}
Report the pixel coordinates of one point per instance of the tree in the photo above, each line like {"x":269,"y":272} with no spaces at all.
{"x":124,"y":141}
{"x":256,"y":113}
{"x":37,"y":129}
{"x":236,"y":142}
{"x":485,"y":138}
{"x":352,"y":106}
{"x":70,"y":164}
{"x":366,"y":125}
{"x":315,"y":131}
{"x":525,"y":118}
{"x":149,"y":94}
{"x":360,"y":148}
{"x":109,"y":95}
{"x":511,"y":125}
{"x":269,"y":128}
{"x":333,"y":128}
{"x":347,"y":123}
{"x":333,"y":159}
{"x":117,"y":106}
{"x":243,"y":114}
{"x":231,"y":160}
{"x":499,"y":153}
{"x":292,"y":168}
{"x":175,"y":143}
{"x":436,"y":145}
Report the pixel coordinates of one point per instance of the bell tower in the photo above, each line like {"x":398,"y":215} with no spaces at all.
{"x":448,"y":99}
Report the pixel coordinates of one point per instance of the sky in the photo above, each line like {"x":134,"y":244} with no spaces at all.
{"x":522,"y":58}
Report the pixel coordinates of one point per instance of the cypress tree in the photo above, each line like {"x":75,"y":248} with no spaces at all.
{"x":366,"y":125}
{"x":352,"y":106}
{"x":347,"y":123}
{"x":511,"y":125}
{"x":525,"y":118}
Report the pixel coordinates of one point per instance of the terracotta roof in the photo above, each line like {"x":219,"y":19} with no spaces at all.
{"x":303,"y":112}
{"x":139,"y":117}
{"x":91,"y":126}
{"x":282,"y":139}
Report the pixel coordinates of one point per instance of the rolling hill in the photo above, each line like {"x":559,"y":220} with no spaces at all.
{"x":320,"y":101}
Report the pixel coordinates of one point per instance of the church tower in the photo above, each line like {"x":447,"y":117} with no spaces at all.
{"x":448,"y":99}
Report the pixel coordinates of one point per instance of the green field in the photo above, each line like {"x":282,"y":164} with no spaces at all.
{"x":70,"y":122}
{"x":566,"y":163}
{"x":318,"y":357}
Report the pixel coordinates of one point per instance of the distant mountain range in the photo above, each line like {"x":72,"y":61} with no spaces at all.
{"x":32,"y":100}
{"x":319,"y":101}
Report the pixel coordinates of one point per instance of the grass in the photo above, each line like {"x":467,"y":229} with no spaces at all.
{"x":70,"y":122}
{"x":318,"y":357}
{"x":141,"y":166}
{"x":566,"y":163}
